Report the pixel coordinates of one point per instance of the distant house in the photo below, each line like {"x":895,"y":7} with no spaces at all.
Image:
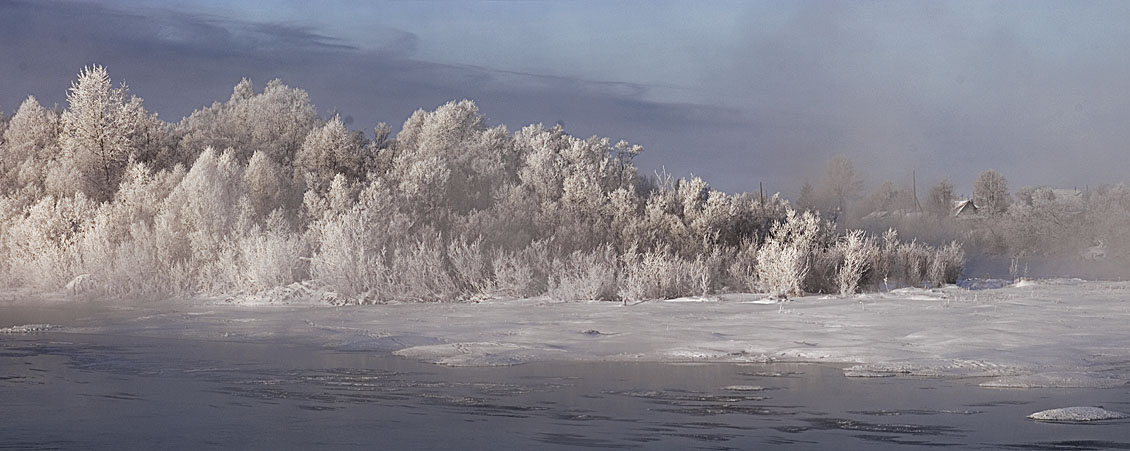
{"x":963,"y":208}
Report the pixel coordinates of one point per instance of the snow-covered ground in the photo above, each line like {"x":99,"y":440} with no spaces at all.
{"x":1046,"y":333}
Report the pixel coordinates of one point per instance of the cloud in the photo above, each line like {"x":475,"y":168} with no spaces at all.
{"x":1034,"y":91}
{"x":179,"y":62}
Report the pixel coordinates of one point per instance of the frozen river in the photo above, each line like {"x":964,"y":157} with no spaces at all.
{"x":97,"y":391}
{"x":909,"y":368}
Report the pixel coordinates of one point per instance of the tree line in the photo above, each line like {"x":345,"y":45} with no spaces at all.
{"x":1080,"y":229}
{"x":259,"y":193}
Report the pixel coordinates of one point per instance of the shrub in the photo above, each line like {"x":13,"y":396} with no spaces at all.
{"x":273,"y":257}
{"x":858,"y":254}
{"x":471,"y":267}
{"x":742,"y":270}
{"x":947,"y":264}
{"x":783,"y":262}
{"x":585,"y":276}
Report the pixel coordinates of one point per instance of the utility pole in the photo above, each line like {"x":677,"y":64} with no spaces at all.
{"x":761,"y":189}
{"x":914,"y":189}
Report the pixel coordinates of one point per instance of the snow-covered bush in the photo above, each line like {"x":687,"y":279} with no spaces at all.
{"x":583,"y":275}
{"x":947,"y":264}
{"x":914,"y":260}
{"x":662,"y":274}
{"x":346,"y":259}
{"x":272,"y":256}
{"x":418,"y":272}
{"x":43,"y":243}
{"x":859,"y":253}
{"x":823,"y":269}
{"x":523,"y":273}
{"x":512,"y":276}
{"x":471,"y":266}
{"x":743,"y":267}
{"x":783,"y":261}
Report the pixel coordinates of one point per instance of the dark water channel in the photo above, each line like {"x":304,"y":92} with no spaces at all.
{"x":74,"y":391}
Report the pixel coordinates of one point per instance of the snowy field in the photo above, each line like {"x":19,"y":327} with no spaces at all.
{"x":1046,"y":333}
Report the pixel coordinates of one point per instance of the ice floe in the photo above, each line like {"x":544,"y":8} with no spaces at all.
{"x":1077,"y":414}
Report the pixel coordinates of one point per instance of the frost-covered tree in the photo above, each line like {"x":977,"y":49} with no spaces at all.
{"x":939,"y":201}
{"x":30,"y":141}
{"x":806,"y":199}
{"x":43,"y":242}
{"x":328,"y":151}
{"x":268,"y":188}
{"x":100,"y":131}
{"x":990,"y":193}
{"x":275,"y":122}
{"x":449,"y":209}
{"x":198,"y":225}
{"x":1041,"y":224}
{"x":1107,"y":216}
{"x":841,"y":183}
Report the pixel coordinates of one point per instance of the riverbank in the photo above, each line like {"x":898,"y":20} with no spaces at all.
{"x":1048,"y":333}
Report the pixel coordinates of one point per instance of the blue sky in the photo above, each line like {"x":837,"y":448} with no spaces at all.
{"x":738,"y":92}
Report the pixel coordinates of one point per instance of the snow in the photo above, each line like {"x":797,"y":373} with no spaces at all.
{"x":1042,"y":333}
{"x":1074,"y":414}
{"x":26,"y":329}
{"x":744,"y":388}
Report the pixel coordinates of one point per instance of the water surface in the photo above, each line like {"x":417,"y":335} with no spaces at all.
{"x":76,"y":391}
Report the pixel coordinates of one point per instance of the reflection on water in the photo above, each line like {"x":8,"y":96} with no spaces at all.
{"x":71,"y":391}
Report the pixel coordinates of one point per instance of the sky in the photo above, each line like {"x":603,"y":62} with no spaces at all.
{"x":739,"y":93}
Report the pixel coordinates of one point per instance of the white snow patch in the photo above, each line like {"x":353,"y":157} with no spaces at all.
{"x":469,"y":354}
{"x":1074,"y":414}
{"x":868,"y":373}
{"x":930,"y":368}
{"x":1055,"y":380}
{"x":692,"y":299}
{"x":27,"y":329}
{"x":298,"y":293}
{"x":694,"y":354}
{"x":744,"y":388}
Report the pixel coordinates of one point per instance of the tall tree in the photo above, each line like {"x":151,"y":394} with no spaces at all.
{"x":274,"y":122}
{"x":29,"y":142}
{"x":842,"y":183}
{"x":990,"y":193}
{"x":97,"y":131}
{"x":940,"y":199}
{"x":806,"y":200}
{"x":328,"y":151}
